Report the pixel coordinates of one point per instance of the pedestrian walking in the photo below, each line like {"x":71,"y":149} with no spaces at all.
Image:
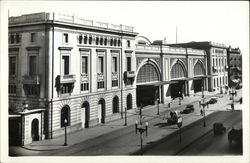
{"x":201,"y":112}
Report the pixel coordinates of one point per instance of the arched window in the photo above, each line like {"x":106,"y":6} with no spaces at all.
{"x":65,"y":115}
{"x":177,"y":71}
{"x":115,"y":104}
{"x":129,"y":102}
{"x":147,"y":73}
{"x":198,"y":69}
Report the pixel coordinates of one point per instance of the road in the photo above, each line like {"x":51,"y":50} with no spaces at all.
{"x":215,"y":145}
{"x":205,"y":144}
{"x":124,"y":141}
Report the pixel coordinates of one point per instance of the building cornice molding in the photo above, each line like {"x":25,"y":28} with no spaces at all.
{"x":33,"y":47}
{"x":65,"y":48}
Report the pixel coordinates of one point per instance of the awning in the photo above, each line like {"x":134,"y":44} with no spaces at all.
{"x":183,"y":79}
{"x":158,"y":83}
{"x":205,"y":76}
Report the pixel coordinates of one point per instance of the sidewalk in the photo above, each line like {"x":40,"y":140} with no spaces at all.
{"x":102,"y":129}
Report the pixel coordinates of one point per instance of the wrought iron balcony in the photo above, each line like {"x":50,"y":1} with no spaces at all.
{"x":31,"y":79}
{"x":66,"y":79}
{"x":129,"y":74}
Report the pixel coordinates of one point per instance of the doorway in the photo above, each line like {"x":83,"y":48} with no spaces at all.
{"x":35,"y":130}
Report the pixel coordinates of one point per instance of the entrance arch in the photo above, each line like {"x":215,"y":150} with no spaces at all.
{"x":65,"y":114}
{"x":198,"y":71}
{"x":101,"y":110}
{"x":85,"y":114}
{"x":178,"y":71}
{"x":129,"y":101}
{"x":146,"y":92}
{"x":115,"y":105}
{"x":35,"y":130}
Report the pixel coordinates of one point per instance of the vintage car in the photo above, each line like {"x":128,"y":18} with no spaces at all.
{"x":218,"y":128}
{"x":189,"y":108}
{"x":174,"y":116}
{"x":235,"y":135}
{"x":212,"y":100}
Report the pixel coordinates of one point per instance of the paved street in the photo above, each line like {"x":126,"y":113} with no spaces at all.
{"x":199,"y":140}
{"x":114,"y":138}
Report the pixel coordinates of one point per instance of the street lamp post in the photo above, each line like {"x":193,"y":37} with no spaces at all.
{"x":179,"y":98}
{"x":125,"y":116}
{"x":65,"y":125}
{"x":141,"y":129}
{"x":233,"y":93}
{"x":158,"y":109}
{"x":204,"y":112}
{"x":202,"y":89}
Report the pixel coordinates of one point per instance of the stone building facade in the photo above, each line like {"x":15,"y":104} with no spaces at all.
{"x":68,"y":71}
{"x":234,"y":66}
{"x":217,"y":62}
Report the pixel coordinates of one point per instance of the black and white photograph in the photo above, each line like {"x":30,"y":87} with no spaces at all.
{"x":126,"y":81}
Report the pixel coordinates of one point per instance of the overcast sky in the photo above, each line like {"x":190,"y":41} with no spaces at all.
{"x":222,"y":22}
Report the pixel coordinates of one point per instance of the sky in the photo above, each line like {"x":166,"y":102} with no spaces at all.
{"x":223,"y":22}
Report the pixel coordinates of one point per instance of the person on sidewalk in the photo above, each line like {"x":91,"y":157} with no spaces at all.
{"x":201,"y":112}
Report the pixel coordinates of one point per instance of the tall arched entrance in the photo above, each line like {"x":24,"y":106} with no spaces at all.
{"x":129,"y":101}
{"x":198,"y":71}
{"x":115,"y":105}
{"x":101,"y":110}
{"x":178,"y":73}
{"x":35,"y":130}
{"x":85,"y":115}
{"x":146,"y":92}
{"x":65,"y":115}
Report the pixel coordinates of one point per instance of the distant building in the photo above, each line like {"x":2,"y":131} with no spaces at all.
{"x":166,"y":73}
{"x":217,"y":63}
{"x":235,"y":66}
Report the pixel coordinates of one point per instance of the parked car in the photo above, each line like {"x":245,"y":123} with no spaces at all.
{"x":212,"y":100}
{"x":189,"y":108}
{"x":218,"y":128}
{"x":235,"y":135}
{"x":174,"y":115}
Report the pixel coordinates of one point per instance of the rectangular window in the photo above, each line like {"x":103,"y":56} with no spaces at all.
{"x":18,"y":38}
{"x":66,"y":88}
{"x":114,"y":83}
{"x":32,"y":65}
{"x":12,"y":89}
{"x":128,"y":43}
{"x":32,"y":89}
{"x":119,"y":42}
{"x":97,"y":41}
{"x":90,"y":40}
{"x":65,"y":38}
{"x":84,"y":64}
{"x":33,"y":37}
{"x":12,"y":65}
{"x":80,"y":39}
{"x":65,"y":63}
{"x":101,"y":41}
{"x":85,"y":39}
{"x":105,"y":41}
{"x":128,"y":63}
{"x":100,"y":84}
{"x":114,"y":64}
{"x":100,"y":64}
{"x":12,"y":39}
{"x":84,"y":86}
